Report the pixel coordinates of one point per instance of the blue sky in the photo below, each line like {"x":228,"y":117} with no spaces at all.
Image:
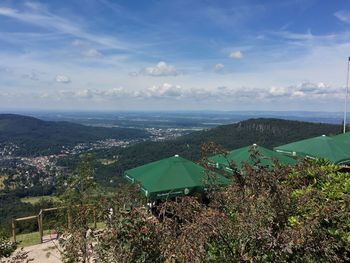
{"x":174,"y":55}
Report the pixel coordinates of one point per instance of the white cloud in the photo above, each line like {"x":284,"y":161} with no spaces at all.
{"x":343,"y":15}
{"x":170,"y":95}
{"x":298,"y":93}
{"x":219,"y":67}
{"x":161,"y":69}
{"x":63,"y":79}
{"x":309,"y":90}
{"x":165,"y":90}
{"x":277,"y":91}
{"x":86,"y":50}
{"x":319,"y":88}
{"x":86,"y":93}
{"x":236,"y":55}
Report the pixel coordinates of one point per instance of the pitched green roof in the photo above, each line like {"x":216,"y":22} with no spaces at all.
{"x":342,"y":138}
{"x":244,"y":155}
{"x":318,"y":147}
{"x":170,"y":177}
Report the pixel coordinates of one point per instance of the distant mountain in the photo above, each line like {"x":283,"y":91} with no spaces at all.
{"x":35,"y":136}
{"x":265,"y":132}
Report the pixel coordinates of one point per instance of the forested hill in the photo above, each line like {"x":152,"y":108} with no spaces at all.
{"x":264,"y":132}
{"x":35,"y":136}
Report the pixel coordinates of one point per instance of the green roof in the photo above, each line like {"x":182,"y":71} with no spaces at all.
{"x":342,"y":138}
{"x":323,"y":147}
{"x":170,"y":177}
{"x":244,"y":155}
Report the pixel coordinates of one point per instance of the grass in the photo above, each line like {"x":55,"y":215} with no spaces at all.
{"x":36,"y":199}
{"x":106,"y":161}
{"x":31,"y":239}
{"x":99,"y":225}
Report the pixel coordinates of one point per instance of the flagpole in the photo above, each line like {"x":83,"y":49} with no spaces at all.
{"x":346,"y":98}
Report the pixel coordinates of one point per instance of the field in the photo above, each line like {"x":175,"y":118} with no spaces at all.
{"x":36,"y":199}
{"x":107,"y":161}
{"x":30,"y":239}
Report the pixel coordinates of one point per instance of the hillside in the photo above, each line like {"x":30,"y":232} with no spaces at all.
{"x":35,"y":136}
{"x":264,"y":132}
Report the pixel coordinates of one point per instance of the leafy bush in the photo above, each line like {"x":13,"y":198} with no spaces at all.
{"x":7,"y":247}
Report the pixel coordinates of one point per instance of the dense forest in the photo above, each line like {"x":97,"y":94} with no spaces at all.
{"x":37,"y":137}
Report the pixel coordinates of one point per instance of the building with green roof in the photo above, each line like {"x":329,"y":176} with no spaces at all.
{"x":243,"y":155}
{"x":342,"y":138}
{"x":170,"y":177}
{"x":322,"y":147}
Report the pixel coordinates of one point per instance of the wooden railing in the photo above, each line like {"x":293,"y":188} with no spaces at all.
{"x":39,"y":218}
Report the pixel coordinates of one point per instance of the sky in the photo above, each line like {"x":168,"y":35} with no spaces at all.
{"x":174,"y":55}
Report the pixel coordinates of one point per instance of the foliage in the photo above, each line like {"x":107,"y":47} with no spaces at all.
{"x":7,"y":251}
{"x":286,"y":214}
{"x":7,"y":247}
{"x":20,"y":256}
{"x":79,"y":194}
{"x":132,"y":233}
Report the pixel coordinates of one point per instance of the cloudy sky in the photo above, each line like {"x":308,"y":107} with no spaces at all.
{"x":174,"y":55}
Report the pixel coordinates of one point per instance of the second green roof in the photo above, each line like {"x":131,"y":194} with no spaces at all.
{"x":323,"y":147}
{"x":244,"y":155}
{"x":342,"y":138}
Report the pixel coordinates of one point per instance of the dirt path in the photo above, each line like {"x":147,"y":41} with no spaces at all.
{"x":46,"y":252}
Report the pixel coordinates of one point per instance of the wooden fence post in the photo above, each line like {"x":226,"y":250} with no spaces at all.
{"x":69,"y":219}
{"x":14,"y":229}
{"x":95,"y":221}
{"x":40,"y":223}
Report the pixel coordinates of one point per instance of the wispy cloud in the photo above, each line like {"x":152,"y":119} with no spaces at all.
{"x":343,"y":15}
{"x":306,"y":37}
{"x":218,"y":67}
{"x":86,"y":50}
{"x":232,"y":14}
{"x":31,"y":75}
{"x":39,"y":16}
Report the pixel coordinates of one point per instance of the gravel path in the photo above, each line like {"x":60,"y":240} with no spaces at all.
{"x":46,"y":252}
